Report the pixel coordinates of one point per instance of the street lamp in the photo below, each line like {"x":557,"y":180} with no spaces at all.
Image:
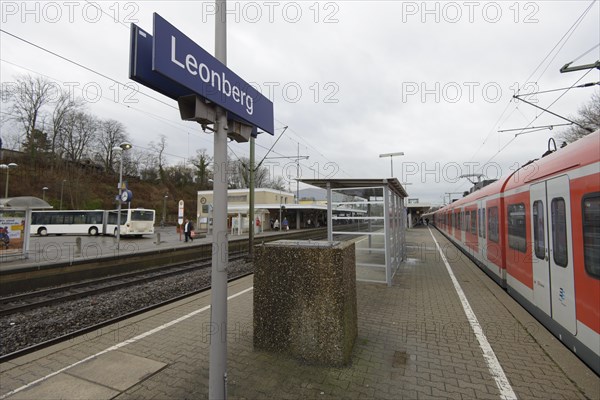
{"x":391,"y":155}
{"x":7,"y":167}
{"x":62,"y":186}
{"x":164,"y":218}
{"x":44,"y":193}
{"x":121,"y":149}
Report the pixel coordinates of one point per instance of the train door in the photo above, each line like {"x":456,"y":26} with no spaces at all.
{"x":561,"y":253}
{"x":552,"y":239}
{"x":481,"y":230}
{"x":539,"y":251}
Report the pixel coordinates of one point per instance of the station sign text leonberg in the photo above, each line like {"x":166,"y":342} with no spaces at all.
{"x":178,"y":58}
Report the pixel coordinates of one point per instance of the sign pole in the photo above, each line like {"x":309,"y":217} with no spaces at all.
{"x":180,"y":217}
{"x":217,"y":374}
{"x":252,"y":223}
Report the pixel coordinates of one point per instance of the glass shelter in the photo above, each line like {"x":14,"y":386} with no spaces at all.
{"x":370,"y":212}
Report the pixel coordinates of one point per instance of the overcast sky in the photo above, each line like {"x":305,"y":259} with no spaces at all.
{"x":351,"y":79}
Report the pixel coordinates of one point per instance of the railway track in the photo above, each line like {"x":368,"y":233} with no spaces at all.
{"x":31,"y":344}
{"x":32,"y":278}
{"x":47,"y":297}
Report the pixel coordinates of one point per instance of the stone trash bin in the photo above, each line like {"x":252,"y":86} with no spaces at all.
{"x":305,"y":300}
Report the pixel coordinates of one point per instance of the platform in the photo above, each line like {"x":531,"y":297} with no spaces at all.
{"x":414,"y":342}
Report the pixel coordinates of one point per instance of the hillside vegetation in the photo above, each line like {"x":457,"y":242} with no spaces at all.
{"x":87,"y":186}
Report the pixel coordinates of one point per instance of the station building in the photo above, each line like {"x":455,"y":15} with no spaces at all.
{"x":271,"y":207}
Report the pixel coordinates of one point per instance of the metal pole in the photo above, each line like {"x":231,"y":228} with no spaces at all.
{"x":298,"y":176}
{"x":392,"y":166}
{"x":6,"y":188}
{"x":329,"y":213}
{"x":62,"y":186}
{"x":119,"y":201}
{"x":217,"y":373}
{"x":251,"y":205}
{"x":164,"y":218}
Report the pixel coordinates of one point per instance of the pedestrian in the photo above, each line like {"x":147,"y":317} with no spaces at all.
{"x":285,"y":224}
{"x":276,"y":224}
{"x":188,"y":230}
{"x":308,"y":223}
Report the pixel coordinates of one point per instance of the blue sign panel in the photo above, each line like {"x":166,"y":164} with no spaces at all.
{"x":140,"y":70}
{"x":140,"y":66}
{"x":178,"y":58}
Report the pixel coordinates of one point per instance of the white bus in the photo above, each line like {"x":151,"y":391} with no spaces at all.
{"x":135,"y":221}
{"x":71,"y":222}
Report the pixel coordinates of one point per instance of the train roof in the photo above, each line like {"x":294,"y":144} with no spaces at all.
{"x":584,"y":151}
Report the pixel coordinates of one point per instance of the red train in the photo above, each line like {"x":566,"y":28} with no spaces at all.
{"x":537,"y":233}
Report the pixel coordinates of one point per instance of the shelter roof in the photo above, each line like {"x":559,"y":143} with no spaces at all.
{"x":392,"y":183}
{"x":24,"y":202}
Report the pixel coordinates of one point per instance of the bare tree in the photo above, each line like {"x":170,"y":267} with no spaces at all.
{"x":131,"y":162}
{"x":277,"y":183}
{"x":239,"y":175}
{"x":110,"y":134}
{"x":28,"y":96}
{"x":202,"y":163}
{"x":147,"y":165}
{"x":589,"y":116}
{"x":159,"y":150}
{"x":78,"y":134}
{"x":64,"y":106}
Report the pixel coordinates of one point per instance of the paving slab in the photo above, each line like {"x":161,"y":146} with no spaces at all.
{"x":65,"y":386}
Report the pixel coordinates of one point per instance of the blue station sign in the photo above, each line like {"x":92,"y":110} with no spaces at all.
{"x":178,"y":58}
{"x":140,"y":66}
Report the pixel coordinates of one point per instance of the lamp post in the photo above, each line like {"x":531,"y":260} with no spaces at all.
{"x":164,"y":218}
{"x":7,"y":167}
{"x":62,"y":186}
{"x":44,"y":193}
{"x":121,"y":149}
{"x":391,"y":155}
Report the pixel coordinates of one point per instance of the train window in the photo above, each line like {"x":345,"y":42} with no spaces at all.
{"x":591,"y":234}
{"x":539,"y":245}
{"x":559,"y":232}
{"x":474,"y":222}
{"x":516,"y":227}
{"x":493,"y":224}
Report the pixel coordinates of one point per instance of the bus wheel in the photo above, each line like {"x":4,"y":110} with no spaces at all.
{"x":93,"y":231}
{"x":43,"y":232}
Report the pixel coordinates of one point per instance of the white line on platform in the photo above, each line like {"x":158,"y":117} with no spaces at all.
{"x":506,"y":391}
{"x":122,"y":344}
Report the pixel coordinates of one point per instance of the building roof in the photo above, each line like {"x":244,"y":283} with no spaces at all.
{"x":392,"y":183}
